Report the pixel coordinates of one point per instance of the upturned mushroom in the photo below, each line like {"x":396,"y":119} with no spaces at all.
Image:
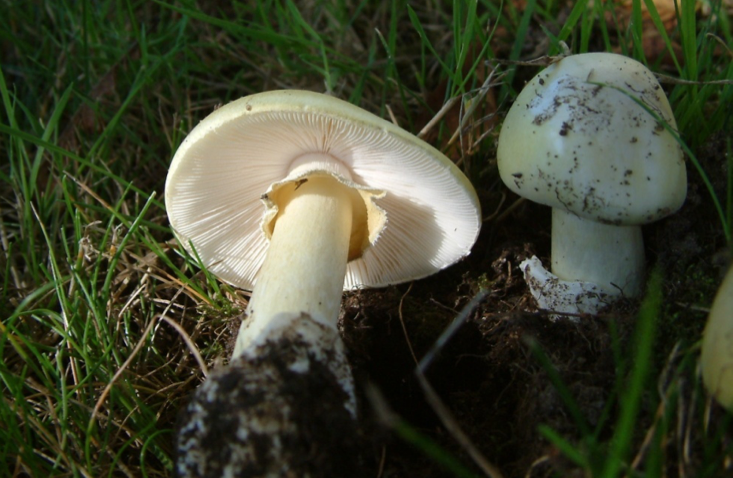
{"x":586,"y":137}
{"x":717,"y":346}
{"x":298,"y":196}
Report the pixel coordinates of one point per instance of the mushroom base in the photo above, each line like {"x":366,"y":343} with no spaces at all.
{"x":278,"y":411}
{"x":563,"y":297}
{"x":610,"y":257}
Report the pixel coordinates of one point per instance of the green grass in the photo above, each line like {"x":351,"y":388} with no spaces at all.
{"x":96,"y":96}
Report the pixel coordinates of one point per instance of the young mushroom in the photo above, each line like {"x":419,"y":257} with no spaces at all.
{"x":350,"y":201}
{"x":717,"y":346}
{"x":578,"y":140}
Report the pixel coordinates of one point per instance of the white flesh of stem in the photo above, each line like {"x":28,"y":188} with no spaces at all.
{"x":612,"y":257}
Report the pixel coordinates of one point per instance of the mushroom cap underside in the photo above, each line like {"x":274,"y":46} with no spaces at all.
{"x":231,"y":158}
{"x":577,"y":138}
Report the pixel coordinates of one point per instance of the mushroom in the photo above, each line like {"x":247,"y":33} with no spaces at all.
{"x":582,"y":139}
{"x":350,"y":201}
{"x":717,"y":345}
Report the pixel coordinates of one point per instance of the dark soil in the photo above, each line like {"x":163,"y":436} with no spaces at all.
{"x":266,"y":391}
{"x":487,"y":374}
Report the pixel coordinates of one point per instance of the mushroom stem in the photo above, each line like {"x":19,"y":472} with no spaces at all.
{"x":285,"y":405}
{"x":612,"y":257}
{"x":306,"y":261}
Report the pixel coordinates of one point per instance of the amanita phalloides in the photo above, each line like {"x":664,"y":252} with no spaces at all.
{"x":298,"y":196}
{"x":588,"y":137}
{"x":717,"y":345}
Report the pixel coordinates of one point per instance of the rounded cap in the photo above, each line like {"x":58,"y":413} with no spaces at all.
{"x":572,"y":140}
{"x":248,"y":148}
{"x":716,"y":358}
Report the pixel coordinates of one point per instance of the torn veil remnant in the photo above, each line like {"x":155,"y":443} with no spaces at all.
{"x":585,"y":137}
{"x":298,"y":196}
